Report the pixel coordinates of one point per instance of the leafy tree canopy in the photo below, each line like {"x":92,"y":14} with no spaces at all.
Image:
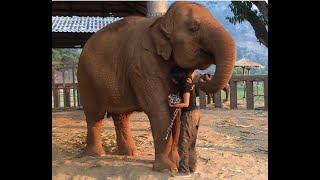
{"x":244,"y":11}
{"x":66,"y":55}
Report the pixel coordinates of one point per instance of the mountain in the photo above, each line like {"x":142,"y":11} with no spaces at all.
{"x":247,"y":44}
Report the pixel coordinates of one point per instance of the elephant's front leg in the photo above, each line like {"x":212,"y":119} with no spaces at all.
{"x":152,"y":90}
{"x":125,"y":140}
{"x":163,"y":148}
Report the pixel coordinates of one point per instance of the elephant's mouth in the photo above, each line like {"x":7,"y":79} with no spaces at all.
{"x":207,"y":58}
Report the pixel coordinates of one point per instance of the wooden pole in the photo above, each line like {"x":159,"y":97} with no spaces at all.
{"x":66,"y":91}
{"x":266,"y":93}
{"x":202,"y":98}
{"x":78,"y":96}
{"x":244,"y":84}
{"x":74,"y":85}
{"x":56,"y":102}
{"x":217,"y":99}
{"x":233,"y":94}
{"x":63,"y":85}
{"x":249,"y":92}
{"x":156,"y":8}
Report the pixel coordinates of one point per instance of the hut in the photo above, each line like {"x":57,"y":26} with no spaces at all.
{"x":247,"y":64}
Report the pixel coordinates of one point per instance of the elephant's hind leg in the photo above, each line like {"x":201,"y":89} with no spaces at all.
{"x":94,"y":143}
{"x":125,"y":142}
{"x":94,"y":111}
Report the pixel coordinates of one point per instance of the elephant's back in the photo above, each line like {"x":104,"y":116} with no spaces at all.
{"x":103,"y":67}
{"x":115,"y":30}
{"x":122,"y":24}
{"x":111,"y":38}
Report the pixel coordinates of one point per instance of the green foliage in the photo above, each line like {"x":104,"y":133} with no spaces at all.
{"x":56,"y":55}
{"x":242,"y":11}
{"x":67,"y":55}
{"x":237,"y":71}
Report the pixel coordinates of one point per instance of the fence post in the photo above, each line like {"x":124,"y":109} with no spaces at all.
{"x":217,"y":99}
{"x":202,"y":98}
{"x":249,"y":94}
{"x":73,"y":85}
{"x":56,"y":102}
{"x":266,"y":93}
{"x":78,"y":96}
{"x":233,"y":94}
{"x":66,"y":92}
{"x":56,"y":99}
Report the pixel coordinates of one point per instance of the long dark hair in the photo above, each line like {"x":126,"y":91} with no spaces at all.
{"x":178,"y":74}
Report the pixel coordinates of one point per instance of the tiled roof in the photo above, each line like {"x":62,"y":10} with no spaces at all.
{"x":80,"y":24}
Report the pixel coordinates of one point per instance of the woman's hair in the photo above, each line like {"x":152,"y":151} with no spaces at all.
{"x":178,"y":74}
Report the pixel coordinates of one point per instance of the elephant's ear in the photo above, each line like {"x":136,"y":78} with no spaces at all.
{"x":158,"y":41}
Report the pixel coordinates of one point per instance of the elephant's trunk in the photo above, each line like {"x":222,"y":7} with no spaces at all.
{"x":221,"y":45}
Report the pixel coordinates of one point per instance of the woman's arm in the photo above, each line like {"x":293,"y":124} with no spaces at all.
{"x":186,"y":100}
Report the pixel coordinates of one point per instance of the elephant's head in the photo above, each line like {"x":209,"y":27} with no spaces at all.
{"x":192,"y":38}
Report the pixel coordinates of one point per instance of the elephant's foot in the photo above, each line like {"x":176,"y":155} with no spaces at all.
{"x":94,"y":151}
{"x":128,"y":152}
{"x":125,"y":142}
{"x":174,"y":155}
{"x":164,"y":164}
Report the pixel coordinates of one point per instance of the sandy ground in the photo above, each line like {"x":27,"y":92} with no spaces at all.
{"x":232,"y":144}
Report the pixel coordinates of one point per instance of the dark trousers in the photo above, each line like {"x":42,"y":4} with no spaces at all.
{"x":187,"y":140}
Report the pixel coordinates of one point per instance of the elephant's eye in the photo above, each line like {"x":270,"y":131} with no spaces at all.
{"x":195,"y":26}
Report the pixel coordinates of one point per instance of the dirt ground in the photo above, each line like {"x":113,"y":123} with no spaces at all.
{"x":232,"y":144}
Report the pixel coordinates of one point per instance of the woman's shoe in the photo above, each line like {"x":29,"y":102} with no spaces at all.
{"x":181,"y":174}
{"x":196,"y":173}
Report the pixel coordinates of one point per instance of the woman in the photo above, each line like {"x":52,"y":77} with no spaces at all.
{"x":190,"y":118}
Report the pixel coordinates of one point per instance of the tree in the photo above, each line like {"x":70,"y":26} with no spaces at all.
{"x":242,"y":10}
{"x":67,"y":55}
{"x":56,"y":56}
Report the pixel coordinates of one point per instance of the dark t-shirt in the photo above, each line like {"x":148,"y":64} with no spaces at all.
{"x":187,"y":87}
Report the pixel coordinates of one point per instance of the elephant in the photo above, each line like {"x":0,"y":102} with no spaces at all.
{"x":124,"y":68}
{"x":226,"y":89}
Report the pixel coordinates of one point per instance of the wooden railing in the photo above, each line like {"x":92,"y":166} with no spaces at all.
{"x":65,"y":92}
{"x":68,"y":94}
{"x":249,"y":80}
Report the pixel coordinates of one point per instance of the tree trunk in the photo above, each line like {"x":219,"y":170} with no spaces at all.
{"x":259,"y":28}
{"x":156,"y":8}
{"x":263,"y":7}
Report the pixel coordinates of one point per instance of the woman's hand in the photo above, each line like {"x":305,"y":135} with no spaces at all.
{"x":189,"y":80}
{"x":170,"y":104}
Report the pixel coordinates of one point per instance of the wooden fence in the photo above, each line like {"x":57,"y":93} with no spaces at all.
{"x":65,"y":97}
{"x":65,"y":94}
{"x":249,"y":81}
